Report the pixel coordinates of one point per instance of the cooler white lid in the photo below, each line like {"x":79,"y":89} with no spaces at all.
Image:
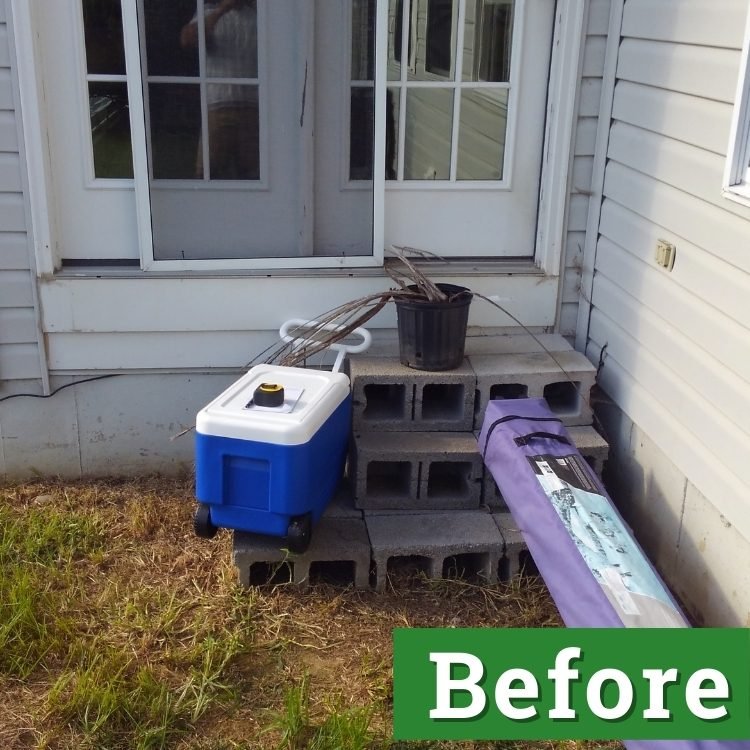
{"x":228,"y":415}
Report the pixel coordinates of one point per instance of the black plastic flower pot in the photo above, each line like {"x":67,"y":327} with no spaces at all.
{"x":432,"y":335}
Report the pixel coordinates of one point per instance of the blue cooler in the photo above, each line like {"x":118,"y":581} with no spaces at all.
{"x":270,"y":452}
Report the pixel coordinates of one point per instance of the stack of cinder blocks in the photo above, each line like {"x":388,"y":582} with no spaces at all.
{"x":417,"y":485}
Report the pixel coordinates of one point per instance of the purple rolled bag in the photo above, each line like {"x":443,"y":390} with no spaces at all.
{"x":522,"y":443}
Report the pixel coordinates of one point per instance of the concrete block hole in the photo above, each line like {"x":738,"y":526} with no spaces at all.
{"x":500,"y":392}
{"x":508,"y":391}
{"x":563,"y":397}
{"x":442,"y":401}
{"x":389,"y":479}
{"x":448,"y":479}
{"x":270,"y":574}
{"x":384,"y":402}
{"x":526,"y":564}
{"x":470,"y":567}
{"x":402,"y":569}
{"x":333,"y":572}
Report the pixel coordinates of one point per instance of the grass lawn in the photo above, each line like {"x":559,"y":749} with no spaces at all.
{"x":120,"y":629}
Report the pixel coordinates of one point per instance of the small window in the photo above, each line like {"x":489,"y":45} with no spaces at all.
{"x":737,"y":173}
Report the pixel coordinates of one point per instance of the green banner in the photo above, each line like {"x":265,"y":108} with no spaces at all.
{"x":508,"y":684}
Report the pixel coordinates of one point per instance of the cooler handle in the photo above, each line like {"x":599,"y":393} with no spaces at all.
{"x":341,"y":349}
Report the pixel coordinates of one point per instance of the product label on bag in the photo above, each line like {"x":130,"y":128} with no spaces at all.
{"x":605,"y":543}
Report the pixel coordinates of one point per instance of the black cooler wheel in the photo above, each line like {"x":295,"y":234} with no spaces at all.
{"x":298,"y":534}
{"x":202,"y":524}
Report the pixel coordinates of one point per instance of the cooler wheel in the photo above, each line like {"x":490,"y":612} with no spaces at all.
{"x":298,"y":534}
{"x":202,"y":524}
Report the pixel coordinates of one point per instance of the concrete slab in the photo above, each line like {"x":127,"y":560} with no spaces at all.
{"x":416,"y":470}
{"x":333,"y":540}
{"x":435,"y":537}
{"x":342,"y":503}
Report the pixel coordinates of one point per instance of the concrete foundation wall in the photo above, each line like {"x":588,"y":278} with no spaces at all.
{"x":122,"y":426}
{"x":701,"y":555}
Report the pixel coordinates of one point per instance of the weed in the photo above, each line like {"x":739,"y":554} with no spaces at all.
{"x":119,"y":630}
{"x":344,"y":729}
{"x":112,"y":704}
{"x":36,"y":548}
{"x":294,"y":722}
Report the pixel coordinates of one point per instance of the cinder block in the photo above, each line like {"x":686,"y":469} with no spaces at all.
{"x":416,"y":470}
{"x":514,"y":545}
{"x":334,"y":540}
{"x":342,"y":503}
{"x":516,"y":343}
{"x":565,"y":379}
{"x":591,"y":445}
{"x":387,"y":396}
{"x":435,"y":537}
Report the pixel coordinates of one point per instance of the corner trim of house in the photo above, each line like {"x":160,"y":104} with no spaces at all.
{"x":36,"y":151}
{"x":27,"y":158}
{"x":600,"y":163}
{"x":567,"y":52}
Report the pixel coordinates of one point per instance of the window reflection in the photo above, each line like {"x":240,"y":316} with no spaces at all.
{"x":441,"y":16}
{"x":489,"y":57}
{"x":105,"y":53}
{"x":203,"y":57}
{"x":110,"y":130}
{"x":451,"y":67}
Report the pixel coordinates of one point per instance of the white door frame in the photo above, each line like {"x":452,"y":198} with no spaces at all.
{"x":567,"y":47}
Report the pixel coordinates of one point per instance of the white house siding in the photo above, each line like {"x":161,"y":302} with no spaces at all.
{"x":677,"y":343}
{"x":19,"y":352}
{"x":583,"y":158}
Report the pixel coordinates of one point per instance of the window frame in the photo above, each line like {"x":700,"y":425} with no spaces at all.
{"x":133,"y":63}
{"x":736,"y":184}
{"x":567,"y":53}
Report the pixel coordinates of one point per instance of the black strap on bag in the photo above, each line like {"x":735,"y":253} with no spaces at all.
{"x":511,"y":417}
{"x":522,"y":440}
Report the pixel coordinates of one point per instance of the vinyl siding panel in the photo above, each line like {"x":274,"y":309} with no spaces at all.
{"x":584,"y":144}
{"x":19,"y":342}
{"x":698,"y":23}
{"x":677,"y":342}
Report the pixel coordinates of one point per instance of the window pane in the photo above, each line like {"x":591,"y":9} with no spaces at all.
{"x":439,"y":40}
{"x":429,"y":123}
{"x":487,"y":50}
{"x":363,"y":40}
{"x":481,"y":135}
{"x":392,"y":105}
{"x":432,"y":39}
{"x":233,"y":123}
{"x":395,"y":33}
{"x":361,"y":131}
{"x":176,"y":148}
{"x":171,"y":37}
{"x":231,"y":39}
{"x":102,"y":23}
{"x":110,"y":130}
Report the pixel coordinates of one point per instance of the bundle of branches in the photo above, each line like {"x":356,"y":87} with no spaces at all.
{"x":315,"y":336}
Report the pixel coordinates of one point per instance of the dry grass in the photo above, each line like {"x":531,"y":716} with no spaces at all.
{"x":119,"y":629}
